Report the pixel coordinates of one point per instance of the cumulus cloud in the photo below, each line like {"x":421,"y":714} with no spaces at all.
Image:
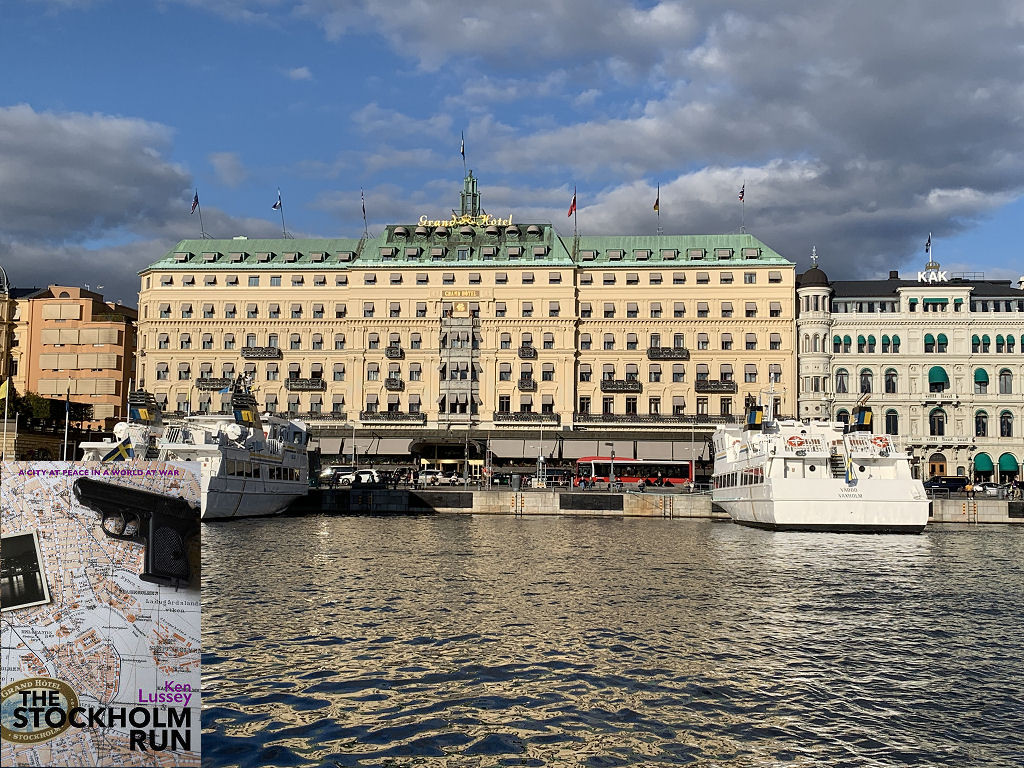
{"x":229,"y":168}
{"x":300,"y":73}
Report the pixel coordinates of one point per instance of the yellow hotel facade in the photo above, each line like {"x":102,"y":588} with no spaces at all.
{"x":442,"y":330}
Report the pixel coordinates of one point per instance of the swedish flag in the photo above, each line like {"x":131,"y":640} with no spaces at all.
{"x":121,"y":452}
{"x":139,"y":414}
{"x":245,"y":417}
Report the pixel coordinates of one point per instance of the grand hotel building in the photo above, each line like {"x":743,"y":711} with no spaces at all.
{"x":436,"y":332}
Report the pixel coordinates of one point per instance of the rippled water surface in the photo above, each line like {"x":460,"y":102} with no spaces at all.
{"x":486,"y":641}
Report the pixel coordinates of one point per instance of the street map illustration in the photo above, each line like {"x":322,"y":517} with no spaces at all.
{"x":128,"y":650}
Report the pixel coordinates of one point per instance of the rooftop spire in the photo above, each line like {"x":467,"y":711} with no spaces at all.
{"x":814,"y":256}
{"x":470,"y":196}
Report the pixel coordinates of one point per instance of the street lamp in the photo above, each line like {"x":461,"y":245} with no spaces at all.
{"x":611,"y":472}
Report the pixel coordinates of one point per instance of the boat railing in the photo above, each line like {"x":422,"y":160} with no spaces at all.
{"x":174,"y":435}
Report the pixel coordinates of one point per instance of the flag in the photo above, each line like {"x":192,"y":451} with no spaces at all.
{"x":362,"y":197}
{"x":277,"y":206}
{"x":850,"y":476}
{"x":657,"y":200}
{"x":245,"y":417}
{"x":195,"y":202}
{"x":3,"y":389}
{"x":572,"y":206}
{"x":139,"y":414}
{"x":462,"y":149}
{"x":224,"y":391}
{"x":67,"y":405}
{"x":122,"y":451}
{"x":742,"y":190}
{"x":928,"y":245}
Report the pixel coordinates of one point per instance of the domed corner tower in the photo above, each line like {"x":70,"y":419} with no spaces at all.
{"x":813,"y":342}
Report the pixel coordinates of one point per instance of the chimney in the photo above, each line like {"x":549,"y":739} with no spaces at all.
{"x":894,"y":274}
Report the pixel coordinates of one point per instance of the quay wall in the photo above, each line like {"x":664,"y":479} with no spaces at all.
{"x":976,"y":511}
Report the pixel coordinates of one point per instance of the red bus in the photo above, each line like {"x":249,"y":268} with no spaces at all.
{"x":598,"y":469}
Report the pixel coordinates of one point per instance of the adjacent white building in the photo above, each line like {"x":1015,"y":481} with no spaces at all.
{"x":941,"y":355}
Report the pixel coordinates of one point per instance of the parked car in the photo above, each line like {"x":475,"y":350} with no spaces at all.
{"x":455,"y":479}
{"x":992,"y":489}
{"x":360,"y":477}
{"x":430,"y":477}
{"x":955,"y":484}
{"x":329,"y":475}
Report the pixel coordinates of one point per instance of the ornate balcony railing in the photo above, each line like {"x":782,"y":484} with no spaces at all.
{"x":667,"y":353}
{"x":621,"y":385}
{"x":392,"y":416}
{"x":530,"y":417}
{"x":325,"y":415}
{"x":207,"y":384}
{"x":667,"y":418}
{"x":394,"y":353}
{"x":720,"y":387}
{"x":394,"y":384}
{"x":527,"y":353}
{"x":305,"y":385}
{"x":527,"y":385}
{"x":261,"y":353}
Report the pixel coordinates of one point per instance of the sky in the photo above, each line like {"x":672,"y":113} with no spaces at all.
{"x":856,"y":128}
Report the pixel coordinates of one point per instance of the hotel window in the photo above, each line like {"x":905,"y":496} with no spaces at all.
{"x":318,"y":311}
{"x":422,"y":278}
{"x":184,"y":373}
{"x":609,"y":310}
{"x":275,"y":280}
{"x":186,"y":311}
{"x":702,"y":406}
{"x":655,"y":310}
{"x":163,"y":341}
{"x":250,"y":340}
{"x":702,"y":341}
{"x":547,"y":372}
{"x":415,"y":372}
{"x":296,"y":311}
{"x":415,"y":341}
{"x":775,"y":341}
{"x":586,"y":311}
{"x":842,"y":381}
{"x":421,"y":309}
{"x":892,"y":423}
{"x":1006,"y":424}
{"x":462,"y":254}
{"x":295,"y":341}
{"x":298,"y":279}
{"x":185,"y":341}
{"x":554,"y":278}
{"x":341,"y":279}
{"x":775,"y":309}
{"x":229,"y":311}
{"x":703,"y":278}
{"x":891,"y":381}
{"x":678,"y":405}
{"x":318,"y":341}
{"x":500,"y":278}
{"x":750,"y":373}
{"x":504,"y":403}
{"x":726,"y":309}
{"x":448,"y":278}
{"x":750,"y":309}
{"x":527,"y":309}
{"x":505,"y":372}
{"x":340,"y":310}
{"x":609,"y":341}
{"x":166,"y":280}
{"x":586,"y":279}
{"x":631,"y":341}
{"x":500,"y":310}
{"x":207,"y":341}
{"x":549,"y":341}
{"x":207,"y":311}
{"x":607,"y":406}
{"x":1005,"y":382}
{"x":585,"y":342}
{"x":274,"y":312}
{"x":654,"y":373}
{"x":655,"y":340}
{"x":373,"y":372}
{"x":678,"y":373}
{"x":749,"y":278}
{"x":272,"y":340}
{"x":395,"y":309}
{"x":585,"y":372}
{"x":319,"y":280}
{"x":506,"y":341}
{"x":654,"y":278}
{"x":368,"y":309}
{"x":632,"y":309}
{"x":726,"y":341}
{"x":189,"y":280}
{"x":631,"y":406}
{"x":396,"y":278}
{"x":751,"y":341}
{"x":632,"y":278}
{"x":725,"y":278}
{"x":609,"y":278}
{"x":678,"y":278}
{"x":527,"y":278}
{"x":584,"y":407}
{"x":679,"y":309}
{"x":553,"y":309}
{"x":373,"y":341}
{"x":725,"y":406}
{"x":702,"y":309}
{"x":474,"y":278}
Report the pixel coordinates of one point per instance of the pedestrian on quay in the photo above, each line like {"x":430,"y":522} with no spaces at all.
{"x":970,"y":489}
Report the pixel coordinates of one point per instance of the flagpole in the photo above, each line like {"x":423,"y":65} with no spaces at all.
{"x":366,"y":229}
{"x":657,"y":208}
{"x":67,"y":418}
{"x":743,"y":206}
{"x":462,"y":150}
{"x":7,"y":397}
{"x":280,"y":207}
{"x":202,"y":229}
{"x":575,"y":213}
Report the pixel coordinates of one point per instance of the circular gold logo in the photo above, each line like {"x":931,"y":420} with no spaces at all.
{"x":35,"y":709}
{"x":460,"y":306}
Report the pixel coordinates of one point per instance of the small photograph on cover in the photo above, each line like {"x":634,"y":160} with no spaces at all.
{"x":100,"y":634}
{"x":22,"y":575}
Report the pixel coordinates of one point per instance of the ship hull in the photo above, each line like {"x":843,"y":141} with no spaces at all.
{"x":224,"y":504}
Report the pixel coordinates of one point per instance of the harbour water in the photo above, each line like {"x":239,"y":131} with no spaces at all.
{"x":487,"y":641}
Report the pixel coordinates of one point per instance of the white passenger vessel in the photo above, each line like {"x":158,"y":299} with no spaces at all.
{"x":251,"y":465}
{"x":816,"y":476}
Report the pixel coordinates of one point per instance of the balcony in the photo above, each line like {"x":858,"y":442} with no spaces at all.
{"x":394,"y":353}
{"x":658,"y":418}
{"x":529,"y":417}
{"x":208,"y":384}
{"x":392,"y":416}
{"x":715,"y":387}
{"x":621,"y":385}
{"x":527,"y":385}
{"x":527,"y":353}
{"x":668,"y":353}
{"x":261,"y":353}
{"x":394,"y":384}
{"x":305,"y":385}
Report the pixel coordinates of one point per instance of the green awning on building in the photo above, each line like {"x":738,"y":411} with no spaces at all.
{"x":985,"y":339}
{"x":1000,"y":339}
{"x":861,"y":340}
{"x":981,"y":375}
{"x":913,"y":301}
{"x":847,"y":340}
{"x":885,"y":339}
{"x":983,"y":463}
{"x":975,"y":339}
{"x":936,"y":301}
{"x":937,"y":375}
{"x":958,"y":301}
{"x":1007,"y":463}
{"x":895,"y":341}
{"x":836,"y":340}
{"x":929,"y":339}
{"x":943,"y":339}
{"x":871,"y":340}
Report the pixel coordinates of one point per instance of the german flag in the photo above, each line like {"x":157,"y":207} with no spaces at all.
{"x":123,"y":451}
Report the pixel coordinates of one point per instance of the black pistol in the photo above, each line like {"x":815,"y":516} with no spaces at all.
{"x":162,"y":524}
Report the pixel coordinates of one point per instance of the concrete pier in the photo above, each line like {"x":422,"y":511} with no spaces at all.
{"x":473,"y":501}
